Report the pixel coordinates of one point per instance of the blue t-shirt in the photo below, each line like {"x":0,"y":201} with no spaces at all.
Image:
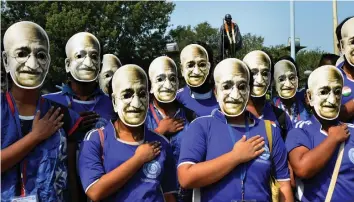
{"x":101,"y":104}
{"x":175,"y":139}
{"x":151,"y":181}
{"x":309,"y":134}
{"x":348,"y":88}
{"x":45,"y":167}
{"x":201,"y":106}
{"x":298,"y":109}
{"x":208,"y":137}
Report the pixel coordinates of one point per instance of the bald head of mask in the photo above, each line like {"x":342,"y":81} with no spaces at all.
{"x":110,"y":64}
{"x":325,"y":94}
{"x":259,"y":65}
{"x":26,"y":54}
{"x":163,"y":78}
{"x":232,"y":86}
{"x":286,"y":80}
{"x":195,"y":65}
{"x":83,"y":57}
{"x":130,"y":97}
{"x":347,"y":41}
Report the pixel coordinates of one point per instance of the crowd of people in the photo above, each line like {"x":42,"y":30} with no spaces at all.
{"x":116,"y":132}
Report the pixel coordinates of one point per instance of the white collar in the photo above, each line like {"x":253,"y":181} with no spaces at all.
{"x":203,"y":96}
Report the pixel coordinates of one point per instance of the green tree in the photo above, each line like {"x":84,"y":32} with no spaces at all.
{"x":134,"y":31}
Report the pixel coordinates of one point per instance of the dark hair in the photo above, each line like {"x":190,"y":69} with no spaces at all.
{"x":339,"y":28}
{"x":328,"y":59}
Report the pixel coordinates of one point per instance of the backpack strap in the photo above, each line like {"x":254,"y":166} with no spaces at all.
{"x":100,"y":133}
{"x":280,"y":115}
{"x":335,"y":173}
{"x":268,"y":127}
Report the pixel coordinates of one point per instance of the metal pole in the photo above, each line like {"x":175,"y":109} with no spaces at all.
{"x":335,"y":24}
{"x":292,"y":28}
{"x":223,"y":46}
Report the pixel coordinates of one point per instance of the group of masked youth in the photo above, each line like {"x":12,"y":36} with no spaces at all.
{"x":106,"y":137}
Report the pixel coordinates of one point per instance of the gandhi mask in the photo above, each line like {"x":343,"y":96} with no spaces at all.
{"x":110,"y":64}
{"x":285,"y":77}
{"x":232,"y":86}
{"x":347,"y":42}
{"x":325,"y":94}
{"x":259,"y":65}
{"x":163,"y":77}
{"x":26,"y":54}
{"x":83,"y":57}
{"x":195,"y":65}
{"x":130,"y":98}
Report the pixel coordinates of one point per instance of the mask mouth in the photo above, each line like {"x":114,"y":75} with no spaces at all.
{"x":235,"y":102}
{"x":287,"y":89}
{"x":37,"y":73}
{"x":329,"y":106}
{"x":166,"y":91}
{"x":196,"y":76}
{"x":86,"y":68}
{"x":259,"y":85}
{"x":134,"y":111}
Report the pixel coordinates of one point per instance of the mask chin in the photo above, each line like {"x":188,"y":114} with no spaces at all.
{"x":80,"y":80}
{"x":348,"y":61}
{"x":28,"y":87}
{"x":325,"y":118}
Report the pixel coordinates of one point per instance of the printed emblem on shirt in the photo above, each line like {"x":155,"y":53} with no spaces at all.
{"x":266,"y":154}
{"x":346,"y":91}
{"x":152,"y":169}
{"x":351,"y":155}
{"x":101,"y":122}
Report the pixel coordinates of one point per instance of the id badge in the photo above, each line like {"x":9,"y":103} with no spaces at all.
{"x":31,"y":198}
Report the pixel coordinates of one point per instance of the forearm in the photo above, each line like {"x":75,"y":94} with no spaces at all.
{"x":314,"y":160}
{"x":285,"y":192}
{"x":347,"y":111}
{"x":114,"y":180}
{"x":13,"y":154}
{"x":206,"y":173}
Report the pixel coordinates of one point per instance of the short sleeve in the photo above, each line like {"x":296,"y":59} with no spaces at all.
{"x":169,"y":181}
{"x":297,"y":137}
{"x":90,"y":160}
{"x":193,"y":146}
{"x":279,"y":157}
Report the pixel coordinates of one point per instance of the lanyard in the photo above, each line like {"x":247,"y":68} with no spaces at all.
{"x":244,"y":166}
{"x":18,"y":125}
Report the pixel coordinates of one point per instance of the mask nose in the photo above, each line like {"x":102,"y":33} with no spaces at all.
{"x":32,"y":63}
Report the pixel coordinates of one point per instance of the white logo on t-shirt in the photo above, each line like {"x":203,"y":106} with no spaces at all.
{"x":266,"y":154}
{"x":351,"y":155}
{"x":152,"y":169}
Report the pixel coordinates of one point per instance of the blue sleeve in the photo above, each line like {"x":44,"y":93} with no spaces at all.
{"x":297,"y":137}
{"x":90,"y":161}
{"x":193,"y":146}
{"x":279,"y":157}
{"x":169,"y":181}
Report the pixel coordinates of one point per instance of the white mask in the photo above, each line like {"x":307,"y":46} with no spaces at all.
{"x":325,"y":94}
{"x":285,"y":77}
{"x":83,"y":57}
{"x":130,"y":97}
{"x":26,"y":55}
{"x":164,"y":80}
{"x":259,"y":65}
{"x":347,"y":42}
{"x":232,"y":86}
{"x":195,"y":65}
{"x":110,"y":64}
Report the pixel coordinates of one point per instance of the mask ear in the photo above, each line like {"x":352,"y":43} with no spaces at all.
{"x":67,"y":65}
{"x":4,"y":60}
{"x":115,"y":107}
{"x":309,"y":97}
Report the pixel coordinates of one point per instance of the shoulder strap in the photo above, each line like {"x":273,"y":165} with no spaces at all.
{"x":280,"y":115}
{"x":335,"y":173}
{"x":268,"y":127}
{"x":100,"y":133}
